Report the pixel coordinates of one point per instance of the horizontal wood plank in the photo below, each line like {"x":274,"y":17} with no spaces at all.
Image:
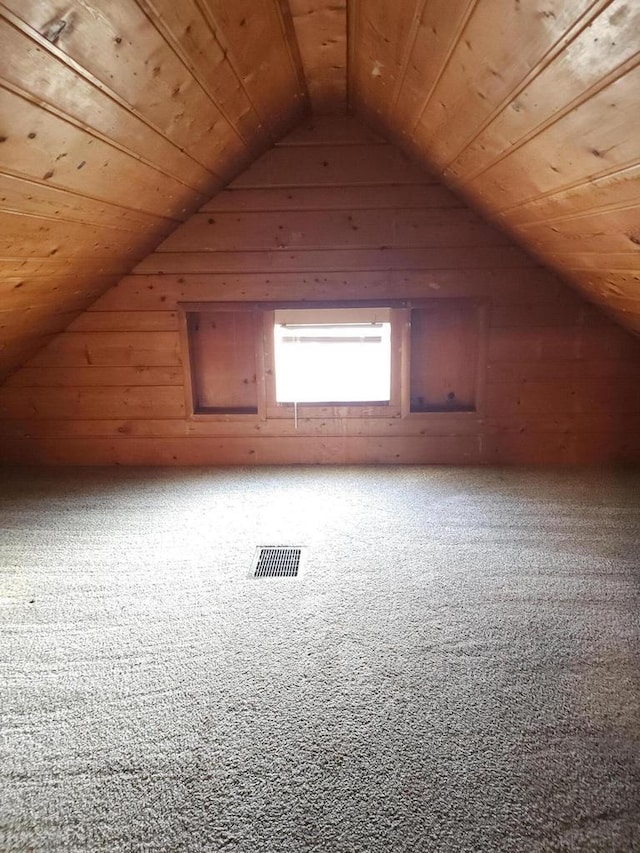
{"x":568,"y":371}
{"x":329,"y":130}
{"x":581,"y":395}
{"x":604,"y":233}
{"x":324,"y":165}
{"x":288,"y":260}
{"x":104,"y":402}
{"x":95,"y":377}
{"x":391,"y":197}
{"x":115,"y":349}
{"x":440,"y":424}
{"x":332,"y":229}
{"x":151,"y":292}
{"x":125,"y":321}
{"x":241,"y":450}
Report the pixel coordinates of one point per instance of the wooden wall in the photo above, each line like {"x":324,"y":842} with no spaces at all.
{"x":332,"y":212}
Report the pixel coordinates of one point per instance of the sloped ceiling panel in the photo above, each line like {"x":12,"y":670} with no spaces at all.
{"x":117,"y":120}
{"x":531,"y":109}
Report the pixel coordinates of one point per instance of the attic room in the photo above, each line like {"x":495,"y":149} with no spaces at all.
{"x":320,"y":425}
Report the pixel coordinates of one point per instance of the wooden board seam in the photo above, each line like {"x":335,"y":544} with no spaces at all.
{"x":565,"y":39}
{"x":112,"y":143}
{"x":462,"y":25}
{"x":157,"y":21}
{"x":551,"y":120}
{"x":613,"y":172}
{"x":60,"y":55}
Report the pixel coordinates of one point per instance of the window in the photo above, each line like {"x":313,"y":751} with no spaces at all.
{"x":270,"y":361}
{"x":332,"y":355}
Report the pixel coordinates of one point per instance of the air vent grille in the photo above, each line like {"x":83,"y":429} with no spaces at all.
{"x":277,"y":562}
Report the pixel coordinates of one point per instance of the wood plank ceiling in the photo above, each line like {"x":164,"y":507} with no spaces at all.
{"x":529,"y":108}
{"x":118,"y":120}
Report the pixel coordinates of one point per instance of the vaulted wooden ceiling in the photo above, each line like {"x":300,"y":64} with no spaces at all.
{"x":119,"y":119}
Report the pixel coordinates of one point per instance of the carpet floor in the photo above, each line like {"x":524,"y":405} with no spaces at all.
{"x":457,"y":667}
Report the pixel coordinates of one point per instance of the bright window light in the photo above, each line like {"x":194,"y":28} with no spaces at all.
{"x":332,"y":361}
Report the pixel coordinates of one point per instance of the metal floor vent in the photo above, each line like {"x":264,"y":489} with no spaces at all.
{"x":277,"y":562}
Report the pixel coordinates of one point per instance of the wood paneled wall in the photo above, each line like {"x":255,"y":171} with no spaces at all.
{"x":332,"y":212}
{"x":531,"y":109}
{"x":117,"y":121}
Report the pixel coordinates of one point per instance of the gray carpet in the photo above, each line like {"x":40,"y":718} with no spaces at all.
{"x":456,"y":669}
